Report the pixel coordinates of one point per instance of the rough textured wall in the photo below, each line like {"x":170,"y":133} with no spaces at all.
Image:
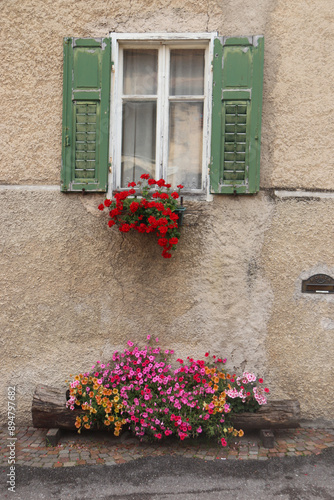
{"x":75,"y":290}
{"x":299,"y":343}
{"x":297,"y":108}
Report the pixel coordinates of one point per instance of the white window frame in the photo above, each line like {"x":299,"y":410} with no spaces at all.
{"x":119,"y":41}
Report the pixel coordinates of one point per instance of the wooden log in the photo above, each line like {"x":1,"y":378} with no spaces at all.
{"x":49,"y":411}
{"x":274,"y":415}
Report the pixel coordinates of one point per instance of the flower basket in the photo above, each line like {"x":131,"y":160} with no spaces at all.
{"x":148,"y":206}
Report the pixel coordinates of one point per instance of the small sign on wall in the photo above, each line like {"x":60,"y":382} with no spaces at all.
{"x":318,"y":283}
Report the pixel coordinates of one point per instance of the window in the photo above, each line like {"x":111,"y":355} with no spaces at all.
{"x":160,"y":92}
{"x":174,"y":106}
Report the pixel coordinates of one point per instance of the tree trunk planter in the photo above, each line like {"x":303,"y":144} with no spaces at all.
{"x":49,"y":411}
{"x":274,"y":415}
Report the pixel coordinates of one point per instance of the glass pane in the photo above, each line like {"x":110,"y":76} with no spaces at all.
{"x":140,"y":72}
{"x":138,"y":140}
{"x":185,"y":144}
{"x":186,"y":72}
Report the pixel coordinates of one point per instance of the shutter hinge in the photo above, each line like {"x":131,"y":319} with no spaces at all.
{"x":67,"y":140}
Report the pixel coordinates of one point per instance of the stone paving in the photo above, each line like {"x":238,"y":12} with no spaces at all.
{"x":104,"y":448}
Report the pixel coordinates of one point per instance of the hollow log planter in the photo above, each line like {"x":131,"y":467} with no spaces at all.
{"x":49,"y":411}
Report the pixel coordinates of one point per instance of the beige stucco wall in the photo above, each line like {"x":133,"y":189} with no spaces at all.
{"x":74,"y":290}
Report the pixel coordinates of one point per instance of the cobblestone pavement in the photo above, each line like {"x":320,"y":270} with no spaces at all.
{"x":103,"y":448}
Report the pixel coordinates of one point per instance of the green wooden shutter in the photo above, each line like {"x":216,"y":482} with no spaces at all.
{"x":85,"y":138}
{"x":236,"y":115}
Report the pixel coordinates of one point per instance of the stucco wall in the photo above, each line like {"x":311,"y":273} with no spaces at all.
{"x":74,"y":290}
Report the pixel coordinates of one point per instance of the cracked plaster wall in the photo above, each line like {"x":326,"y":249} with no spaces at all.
{"x":73,"y":290}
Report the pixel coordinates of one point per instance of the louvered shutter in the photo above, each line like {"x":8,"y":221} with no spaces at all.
{"x":86,"y":90}
{"x":236,"y":115}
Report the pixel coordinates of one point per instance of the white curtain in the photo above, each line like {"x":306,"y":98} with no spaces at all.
{"x":186,"y":117}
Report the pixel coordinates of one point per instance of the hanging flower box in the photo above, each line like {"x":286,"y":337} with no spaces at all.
{"x":148,"y":206}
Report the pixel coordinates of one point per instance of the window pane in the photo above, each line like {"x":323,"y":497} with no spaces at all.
{"x":140,"y":72}
{"x":186,"y":72}
{"x":138,"y":140}
{"x":185,"y":144}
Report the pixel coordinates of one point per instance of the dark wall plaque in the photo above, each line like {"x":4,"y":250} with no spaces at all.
{"x":318,"y":283}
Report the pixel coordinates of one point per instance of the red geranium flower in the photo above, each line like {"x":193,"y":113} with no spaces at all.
{"x":114,"y":212}
{"x":162,"y":242}
{"x":134,"y":206}
{"x":174,"y":195}
{"x":173,"y":241}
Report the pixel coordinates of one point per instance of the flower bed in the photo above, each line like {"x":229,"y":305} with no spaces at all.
{"x":139,"y":390}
